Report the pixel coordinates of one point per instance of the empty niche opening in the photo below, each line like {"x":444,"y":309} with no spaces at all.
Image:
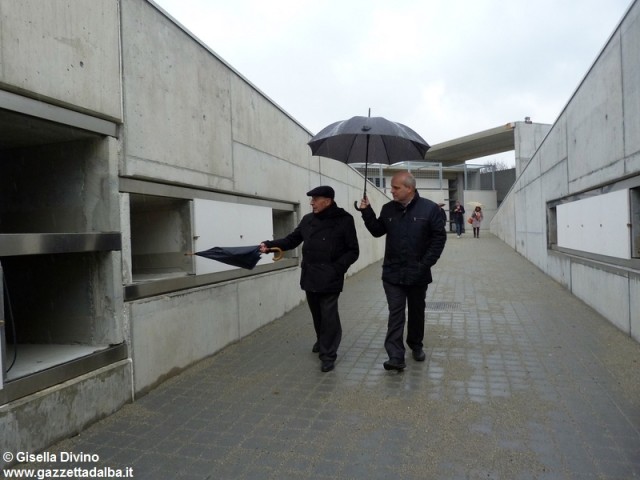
{"x":161,"y":234}
{"x":552,"y":227}
{"x":229,"y":224}
{"x":634,"y":200}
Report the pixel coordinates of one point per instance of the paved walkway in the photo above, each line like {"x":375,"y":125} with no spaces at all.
{"x":521,"y":381}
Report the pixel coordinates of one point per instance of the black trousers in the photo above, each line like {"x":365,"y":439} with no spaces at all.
{"x":326,"y":321}
{"x":399,"y":297}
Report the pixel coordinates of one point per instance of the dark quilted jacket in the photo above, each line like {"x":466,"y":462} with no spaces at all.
{"x":330,"y":247}
{"x":415,"y":239}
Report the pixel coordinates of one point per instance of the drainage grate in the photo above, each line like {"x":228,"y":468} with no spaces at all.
{"x":443,"y":306}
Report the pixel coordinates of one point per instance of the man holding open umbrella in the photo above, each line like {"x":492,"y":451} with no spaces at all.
{"x":330,"y":248}
{"x":416,"y":236}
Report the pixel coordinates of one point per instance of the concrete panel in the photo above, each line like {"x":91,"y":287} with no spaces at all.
{"x":595,"y":123}
{"x":264,"y":298}
{"x":554,"y":148}
{"x":531,"y":219}
{"x":630,"y":39}
{"x":634,"y":305}
{"x":521,"y":242}
{"x":177,"y":102}
{"x":144,"y":168}
{"x":528,"y":137}
{"x":553,"y":183}
{"x":503,"y":223}
{"x":531,"y":175}
{"x":65,"y":51}
{"x":258,"y":173}
{"x":536,"y":249}
{"x":39,"y":420}
{"x":174,"y":331}
{"x":259,"y":123}
{"x":605,"y":292}
{"x":632,"y":163}
{"x":559,"y":268}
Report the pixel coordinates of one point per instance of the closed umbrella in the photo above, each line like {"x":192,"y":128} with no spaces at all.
{"x":368,"y":140}
{"x":244,"y":257}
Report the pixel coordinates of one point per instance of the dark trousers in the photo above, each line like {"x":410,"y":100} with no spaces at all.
{"x":399,"y":297}
{"x":326,"y":321}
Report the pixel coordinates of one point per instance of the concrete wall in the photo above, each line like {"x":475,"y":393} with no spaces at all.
{"x":190,"y":119}
{"x":528,"y":137}
{"x":39,"y":420}
{"x":67,"y":53}
{"x":594,"y":146}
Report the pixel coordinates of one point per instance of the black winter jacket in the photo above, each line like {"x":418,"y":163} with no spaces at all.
{"x":415,"y":239}
{"x":330,"y":247}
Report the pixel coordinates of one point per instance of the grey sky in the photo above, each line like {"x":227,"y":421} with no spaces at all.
{"x":446,"y":68}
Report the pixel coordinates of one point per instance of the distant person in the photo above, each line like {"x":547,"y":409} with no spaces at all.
{"x":458,"y":218}
{"x":476,"y":218}
{"x":415,"y":239}
{"x":444,"y":215}
{"x":330,"y":248}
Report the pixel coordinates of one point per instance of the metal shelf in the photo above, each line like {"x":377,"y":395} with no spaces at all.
{"x":12,"y":244}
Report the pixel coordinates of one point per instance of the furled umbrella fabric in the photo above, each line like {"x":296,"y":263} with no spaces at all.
{"x":368,"y":140}
{"x":243,"y":257}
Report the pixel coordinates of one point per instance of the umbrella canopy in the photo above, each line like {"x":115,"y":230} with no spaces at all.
{"x":368,"y":140}
{"x":244,"y":257}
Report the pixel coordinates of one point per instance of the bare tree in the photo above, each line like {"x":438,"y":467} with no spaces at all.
{"x":495,"y":165}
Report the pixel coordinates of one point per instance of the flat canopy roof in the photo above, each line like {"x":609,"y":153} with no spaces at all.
{"x":489,"y":142}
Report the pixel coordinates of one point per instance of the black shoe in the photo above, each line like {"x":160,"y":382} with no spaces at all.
{"x":327,"y":365}
{"x":315,"y":348}
{"x":394,"y":365}
{"x":418,"y":355}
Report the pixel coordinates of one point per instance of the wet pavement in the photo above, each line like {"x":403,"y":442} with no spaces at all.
{"x":521,"y":381}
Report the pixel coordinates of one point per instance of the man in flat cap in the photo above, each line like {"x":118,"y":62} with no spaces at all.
{"x":330,"y":248}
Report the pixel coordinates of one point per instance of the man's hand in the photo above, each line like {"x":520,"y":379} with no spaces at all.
{"x":364,"y":203}
{"x":264,"y":248}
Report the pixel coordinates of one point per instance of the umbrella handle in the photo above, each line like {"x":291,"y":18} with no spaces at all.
{"x":278,"y":254}
{"x":355,"y":204}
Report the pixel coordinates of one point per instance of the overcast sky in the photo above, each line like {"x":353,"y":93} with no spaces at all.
{"x":446,"y":68}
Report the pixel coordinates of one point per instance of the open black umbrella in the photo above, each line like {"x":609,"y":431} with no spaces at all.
{"x":244,"y":257}
{"x":368,"y":140}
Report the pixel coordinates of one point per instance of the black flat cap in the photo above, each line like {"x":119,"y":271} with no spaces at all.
{"x":322,"y":191}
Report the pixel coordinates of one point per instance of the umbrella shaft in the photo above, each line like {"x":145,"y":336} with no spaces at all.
{"x":366,"y":167}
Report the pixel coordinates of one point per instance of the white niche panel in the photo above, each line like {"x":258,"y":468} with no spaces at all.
{"x":597,"y":224}
{"x":223,"y":224}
